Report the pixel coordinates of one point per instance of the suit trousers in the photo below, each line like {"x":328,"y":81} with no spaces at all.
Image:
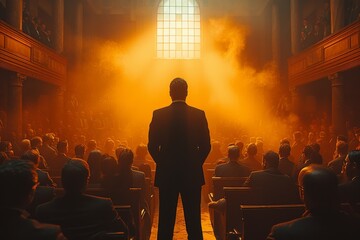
{"x":191,"y":200}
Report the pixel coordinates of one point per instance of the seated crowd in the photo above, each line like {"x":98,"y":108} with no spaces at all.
{"x":42,"y":163}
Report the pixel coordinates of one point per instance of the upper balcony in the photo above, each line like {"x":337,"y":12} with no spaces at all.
{"x":21,"y":53}
{"x":338,"y":52}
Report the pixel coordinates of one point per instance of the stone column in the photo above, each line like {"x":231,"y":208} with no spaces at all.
{"x":295,"y":26}
{"x":295,"y":101}
{"x":79,"y":15}
{"x":15,"y":103}
{"x":58,"y":10}
{"x":276,"y":52}
{"x":337,"y":103}
{"x":57,"y":104}
{"x":337,"y":9}
{"x":14,"y":13}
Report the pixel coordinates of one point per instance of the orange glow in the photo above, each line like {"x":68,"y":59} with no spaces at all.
{"x":226,"y":88}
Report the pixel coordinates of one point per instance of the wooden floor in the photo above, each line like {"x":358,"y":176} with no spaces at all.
{"x":180,"y":230}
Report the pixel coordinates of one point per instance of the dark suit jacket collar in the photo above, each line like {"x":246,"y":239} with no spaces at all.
{"x":178,"y":102}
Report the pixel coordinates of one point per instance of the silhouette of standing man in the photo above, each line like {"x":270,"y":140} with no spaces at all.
{"x":179,"y":143}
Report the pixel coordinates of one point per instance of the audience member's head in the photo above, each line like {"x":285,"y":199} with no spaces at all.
{"x":48,"y":139}
{"x":18,"y":181}
{"x":62,"y":146}
{"x":109,"y":146}
{"x":178,"y":89}
{"x":297,"y":136}
{"x":352,"y":164}
{"x":36,"y":142}
{"x":315,"y":158}
{"x":119,"y":150}
{"x":308,"y":151}
{"x":240,"y":145}
{"x":251,"y":150}
{"x":109,"y":166}
{"x":318,"y":189}
{"x":141,"y":151}
{"x":271,"y":160}
{"x":126,"y":159}
{"x":80,"y":151}
{"x":75,"y":176}
{"x":284,"y":150}
{"x":342,"y":138}
{"x":342,"y":148}
{"x":32,"y":155}
{"x":25,"y":145}
{"x":284,"y":141}
{"x":315,"y":147}
{"x":92,"y":145}
{"x":233,"y":152}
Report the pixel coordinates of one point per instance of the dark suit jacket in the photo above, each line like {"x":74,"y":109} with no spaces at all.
{"x":332,"y":226}
{"x":44,"y":178}
{"x":81,"y":216}
{"x":273,"y":187}
{"x":14,"y":225}
{"x":337,"y":164}
{"x":179,"y":143}
{"x":231,"y":169}
{"x":350,"y":192}
{"x":287,"y":167}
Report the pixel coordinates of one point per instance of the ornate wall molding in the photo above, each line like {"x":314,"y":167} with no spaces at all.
{"x":337,"y":53}
{"x":22,"y":54}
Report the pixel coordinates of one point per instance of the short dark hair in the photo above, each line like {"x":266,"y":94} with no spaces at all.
{"x":126,"y":158}
{"x":75,"y":175}
{"x":271,"y":159}
{"x":342,"y":147}
{"x":320,"y":188}
{"x":32,"y":155}
{"x":251,"y":149}
{"x":18,"y":180}
{"x":284,"y":150}
{"x":61,"y":145}
{"x":80,"y":150}
{"x":178,"y":89}
{"x":233,"y":152}
{"x":35,"y":141}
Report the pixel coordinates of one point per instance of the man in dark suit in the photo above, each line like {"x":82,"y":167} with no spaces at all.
{"x":270,"y":185}
{"x":322,"y":219}
{"x":80,"y":216}
{"x":18,"y":181}
{"x":179,"y":143}
{"x":232,"y":168}
{"x":350,"y":191}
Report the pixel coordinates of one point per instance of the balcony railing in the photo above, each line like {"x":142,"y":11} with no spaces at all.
{"x":21,"y":53}
{"x":336,"y":53}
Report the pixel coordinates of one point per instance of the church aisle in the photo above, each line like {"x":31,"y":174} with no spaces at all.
{"x":180,"y":229}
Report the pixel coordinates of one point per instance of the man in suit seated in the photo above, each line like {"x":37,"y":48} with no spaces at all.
{"x":232,"y":168}
{"x":350,"y":191}
{"x":80,"y":216}
{"x":270,"y":185}
{"x":18,"y":181}
{"x":322,"y":219}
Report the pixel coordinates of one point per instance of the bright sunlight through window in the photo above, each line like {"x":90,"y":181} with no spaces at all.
{"x":178,"y":29}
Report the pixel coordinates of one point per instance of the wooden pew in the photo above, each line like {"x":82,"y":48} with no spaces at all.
{"x":235,"y":196}
{"x":257,"y":220}
{"x":220,"y":182}
{"x":133,"y":200}
{"x":208,"y":174}
{"x":218,"y":217}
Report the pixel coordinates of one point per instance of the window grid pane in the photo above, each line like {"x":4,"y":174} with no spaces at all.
{"x":178,"y":29}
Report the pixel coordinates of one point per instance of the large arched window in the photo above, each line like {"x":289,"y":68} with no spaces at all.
{"x":178,"y":29}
